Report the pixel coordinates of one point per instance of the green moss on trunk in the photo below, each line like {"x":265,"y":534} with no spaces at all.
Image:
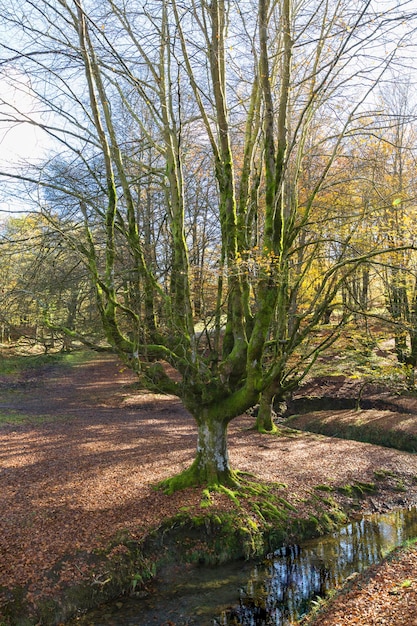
{"x":211,"y":466}
{"x":264,"y":419}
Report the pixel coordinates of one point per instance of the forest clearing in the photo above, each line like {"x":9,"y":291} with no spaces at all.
{"x":80,"y":466}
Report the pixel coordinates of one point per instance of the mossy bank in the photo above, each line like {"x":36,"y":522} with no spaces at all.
{"x":258,"y":519}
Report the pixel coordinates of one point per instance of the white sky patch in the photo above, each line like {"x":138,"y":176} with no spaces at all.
{"x":21,"y":139}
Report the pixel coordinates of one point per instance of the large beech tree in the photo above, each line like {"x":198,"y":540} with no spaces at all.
{"x":132,"y":92}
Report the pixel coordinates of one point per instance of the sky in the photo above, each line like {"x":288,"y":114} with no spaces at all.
{"x":21,"y":141}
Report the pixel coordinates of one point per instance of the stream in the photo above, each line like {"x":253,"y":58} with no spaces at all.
{"x":271,"y":593}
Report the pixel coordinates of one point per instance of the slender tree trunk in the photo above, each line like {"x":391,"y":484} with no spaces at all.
{"x":264,"y":419}
{"x":398,"y":305}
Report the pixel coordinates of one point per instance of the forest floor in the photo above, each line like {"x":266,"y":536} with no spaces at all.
{"x":81,"y":449}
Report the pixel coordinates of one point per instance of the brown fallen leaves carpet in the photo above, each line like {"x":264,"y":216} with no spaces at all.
{"x":84,"y":468}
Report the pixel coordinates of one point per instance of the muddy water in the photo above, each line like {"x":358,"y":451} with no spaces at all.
{"x":272,"y":593}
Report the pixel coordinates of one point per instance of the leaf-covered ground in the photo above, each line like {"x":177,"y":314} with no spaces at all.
{"x":83,"y":470}
{"x":384,"y":594}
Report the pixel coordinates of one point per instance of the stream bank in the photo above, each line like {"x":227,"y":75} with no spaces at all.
{"x":210,"y":538}
{"x":337,"y":406}
{"x":81,"y":449}
{"x":259,"y":519}
{"x":276,"y":591}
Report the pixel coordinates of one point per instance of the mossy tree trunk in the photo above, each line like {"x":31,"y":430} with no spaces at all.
{"x":212,"y":460}
{"x":264,"y":419}
{"x":211,"y":465}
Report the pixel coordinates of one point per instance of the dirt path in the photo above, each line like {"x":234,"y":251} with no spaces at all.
{"x":84,"y":469}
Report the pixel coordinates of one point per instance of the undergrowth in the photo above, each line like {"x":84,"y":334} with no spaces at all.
{"x":12,"y":364}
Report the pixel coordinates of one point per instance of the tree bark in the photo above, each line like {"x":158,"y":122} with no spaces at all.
{"x":212,"y":460}
{"x":211,"y":465}
{"x":264,"y":419}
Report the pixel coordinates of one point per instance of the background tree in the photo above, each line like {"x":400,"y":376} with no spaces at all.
{"x":44,"y":286}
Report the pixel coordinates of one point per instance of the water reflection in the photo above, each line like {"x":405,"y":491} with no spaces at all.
{"x":282,"y":590}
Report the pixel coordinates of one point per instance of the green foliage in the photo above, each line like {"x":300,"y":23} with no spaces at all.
{"x":400,"y":486}
{"x":195,"y":476}
{"x":206,"y":499}
{"x":327,"y":517}
{"x":406,"y":584}
{"x":233,"y":495}
{"x":381,"y":474}
{"x":357,"y":489}
{"x":324,"y":488}
{"x":137,"y":579}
